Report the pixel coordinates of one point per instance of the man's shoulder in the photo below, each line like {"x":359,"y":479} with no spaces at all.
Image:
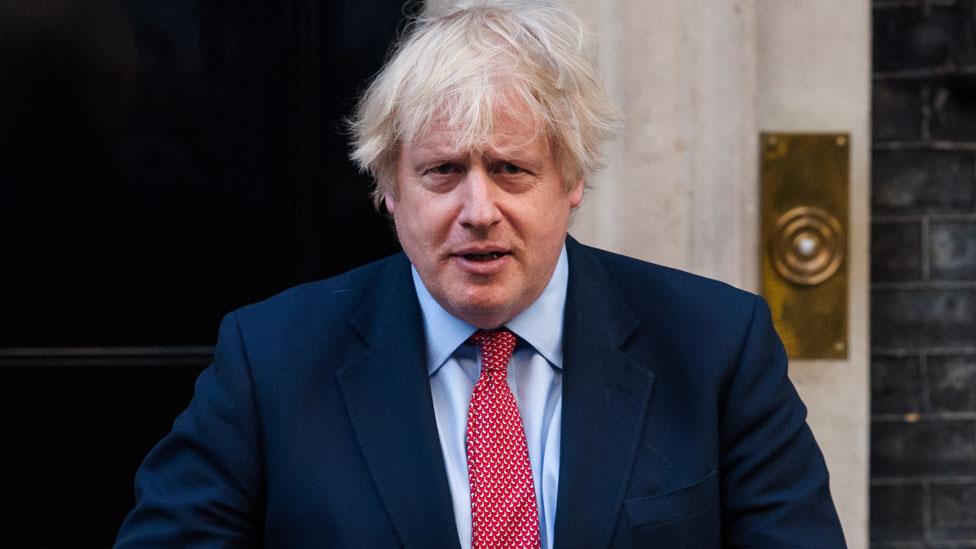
{"x":646,"y":285}
{"x":319,"y":302}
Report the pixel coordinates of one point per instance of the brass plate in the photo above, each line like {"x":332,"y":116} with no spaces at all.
{"x":804,"y":184}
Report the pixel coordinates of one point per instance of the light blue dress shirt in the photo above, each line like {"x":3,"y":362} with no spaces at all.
{"x":534,"y":376}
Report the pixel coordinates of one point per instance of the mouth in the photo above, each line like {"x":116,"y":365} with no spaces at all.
{"x":483,"y":261}
{"x":489,"y":256}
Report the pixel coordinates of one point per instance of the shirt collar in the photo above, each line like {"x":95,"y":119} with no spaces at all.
{"x":540,"y":325}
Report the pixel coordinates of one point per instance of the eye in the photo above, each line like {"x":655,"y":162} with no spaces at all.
{"x":510,"y":169}
{"x":443,"y":169}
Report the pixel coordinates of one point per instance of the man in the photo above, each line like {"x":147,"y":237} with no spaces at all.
{"x":498,"y":384}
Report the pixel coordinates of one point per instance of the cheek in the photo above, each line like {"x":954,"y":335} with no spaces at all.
{"x":548,"y":220}
{"x":421,"y":226}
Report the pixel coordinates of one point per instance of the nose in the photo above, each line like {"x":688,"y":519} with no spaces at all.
{"x":480,"y":207}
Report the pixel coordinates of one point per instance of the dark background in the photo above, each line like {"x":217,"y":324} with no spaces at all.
{"x":161,"y":163}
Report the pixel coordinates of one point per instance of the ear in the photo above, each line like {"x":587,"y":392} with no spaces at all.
{"x":576,"y":194}
{"x":390,"y":202}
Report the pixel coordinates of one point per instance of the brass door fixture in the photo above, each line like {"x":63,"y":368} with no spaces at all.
{"x":808,"y":245}
{"x":804,"y":186}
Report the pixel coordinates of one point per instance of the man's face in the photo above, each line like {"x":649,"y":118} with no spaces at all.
{"x":483,"y":228}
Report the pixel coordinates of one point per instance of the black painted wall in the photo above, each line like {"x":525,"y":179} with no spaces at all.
{"x":161,"y":163}
{"x":923,"y":253}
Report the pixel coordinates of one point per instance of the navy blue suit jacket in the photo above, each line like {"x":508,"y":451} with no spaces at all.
{"x":314,"y":425}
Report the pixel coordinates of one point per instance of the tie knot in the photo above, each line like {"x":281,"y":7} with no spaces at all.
{"x":496,"y":348}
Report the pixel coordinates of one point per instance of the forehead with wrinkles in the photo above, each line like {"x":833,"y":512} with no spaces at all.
{"x":511,"y":129}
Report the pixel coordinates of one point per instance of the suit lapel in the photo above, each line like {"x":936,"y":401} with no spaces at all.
{"x":605,"y":395}
{"x":387,"y":395}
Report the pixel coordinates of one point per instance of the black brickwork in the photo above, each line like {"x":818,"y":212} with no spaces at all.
{"x":923,"y":262}
{"x":896,"y":385}
{"x":896,"y":250}
{"x":897,"y":514}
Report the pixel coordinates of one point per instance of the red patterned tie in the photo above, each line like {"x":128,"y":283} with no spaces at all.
{"x":503,"y":507}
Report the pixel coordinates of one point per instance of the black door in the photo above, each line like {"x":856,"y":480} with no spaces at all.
{"x":161,"y":163}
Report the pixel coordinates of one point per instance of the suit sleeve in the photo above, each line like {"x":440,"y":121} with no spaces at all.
{"x":775,"y":489}
{"x":201,"y":486}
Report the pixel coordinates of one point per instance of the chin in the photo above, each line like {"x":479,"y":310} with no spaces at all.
{"x":483,"y":314}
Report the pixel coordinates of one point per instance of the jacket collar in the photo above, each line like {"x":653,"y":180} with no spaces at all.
{"x":387,"y":396}
{"x":605,"y":396}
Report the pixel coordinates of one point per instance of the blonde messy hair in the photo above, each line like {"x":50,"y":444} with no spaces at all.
{"x":466,"y":66}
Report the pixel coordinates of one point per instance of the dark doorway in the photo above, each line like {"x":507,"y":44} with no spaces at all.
{"x":161,"y":163}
